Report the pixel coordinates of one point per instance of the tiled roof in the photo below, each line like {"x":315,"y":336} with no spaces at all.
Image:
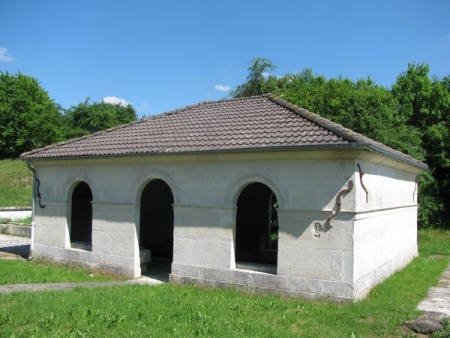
{"x":251,"y":123}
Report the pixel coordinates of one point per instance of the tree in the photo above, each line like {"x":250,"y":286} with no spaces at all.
{"x":424,"y":102}
{"x":415,"y":93}
{"x":87,"y":118}
{"x":29,"y":118}
{"x":258,"y":79}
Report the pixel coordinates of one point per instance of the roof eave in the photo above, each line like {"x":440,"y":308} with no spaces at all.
{"x":416,"y":163}
{"x":308,"y":147}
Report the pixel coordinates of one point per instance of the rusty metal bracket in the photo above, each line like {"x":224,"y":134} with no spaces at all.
{"x":415,"y":186}
{"x":37,"y":185}
{"x":38,"y":193}
{"x":339,"y":196}
{"x":361,"y":174}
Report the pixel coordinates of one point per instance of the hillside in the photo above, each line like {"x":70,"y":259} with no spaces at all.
{"x":15,"y":184}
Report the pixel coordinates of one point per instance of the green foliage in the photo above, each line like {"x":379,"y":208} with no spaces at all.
{"x":445,"y":333}
{"x":28,"y":116}
{"x":258,"y":79}
{"x":416,"y":97}
{"x":30,"y":119}
{"x":434,"y":242}
{"x":431,"y":206}
{"x":172,"y":310}
{"x":424,"y":102}
{"x":23,"y":221}
{"x":15,"y":184}
{"x":87,"y":118}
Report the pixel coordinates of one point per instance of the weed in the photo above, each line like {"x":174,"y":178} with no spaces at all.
{"x":21,"y":221}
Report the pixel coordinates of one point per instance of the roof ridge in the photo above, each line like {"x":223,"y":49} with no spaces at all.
{"x":188,"y":107}
{"x":213,"y":102}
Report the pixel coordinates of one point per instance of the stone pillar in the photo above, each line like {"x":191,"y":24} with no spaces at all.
{"x":114,"y":235}
{"x":204,"y":236}
{"x":51,"y":224}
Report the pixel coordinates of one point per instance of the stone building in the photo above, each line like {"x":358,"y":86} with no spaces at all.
{"x":255,"y":193}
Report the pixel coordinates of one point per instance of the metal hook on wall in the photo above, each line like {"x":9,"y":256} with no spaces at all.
{"x":38,"y":193}
{"x":339,"y":203}
{"x":361,"y":174}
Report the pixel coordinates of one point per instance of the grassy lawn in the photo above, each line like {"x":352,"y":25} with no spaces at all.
{"x":186,"y":311}
{"x":41,"y":271}
{"x":16,"y":182}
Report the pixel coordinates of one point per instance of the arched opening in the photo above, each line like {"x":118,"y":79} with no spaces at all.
{"x":156,"y":223}
{"x":257,"y":229}
{"x":81,"y":217}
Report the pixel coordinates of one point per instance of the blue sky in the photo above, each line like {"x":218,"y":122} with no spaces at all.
{"x":160,"y":55}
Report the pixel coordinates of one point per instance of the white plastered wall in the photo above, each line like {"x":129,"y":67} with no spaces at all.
{"x":312,"y":260}
{"x":385,"y":225}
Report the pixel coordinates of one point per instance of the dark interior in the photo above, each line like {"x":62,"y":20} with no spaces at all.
{"x":81,"y":219}
{"x":257,"y":225}
{"x":156,"y":222}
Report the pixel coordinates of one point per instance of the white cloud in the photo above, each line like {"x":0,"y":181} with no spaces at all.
{"x":143,"y":110}
{"x":222,"y":87}
{"x":143,"y":107}
{"x":115,"y":100}
{"x":5,"y":56}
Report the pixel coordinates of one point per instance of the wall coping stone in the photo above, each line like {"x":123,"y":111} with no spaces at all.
{"x":16,"y":230}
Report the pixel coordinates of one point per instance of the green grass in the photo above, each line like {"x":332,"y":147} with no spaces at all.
{"x":15,"y":184}
{"x":434,"y":242}
{"x":187,"y":311}
{"x":24,"y":221}
{"x":42,"y":271}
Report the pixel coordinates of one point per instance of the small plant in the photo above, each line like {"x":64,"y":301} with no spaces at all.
{"x":445,"y":333}
{"x":24,"y":221}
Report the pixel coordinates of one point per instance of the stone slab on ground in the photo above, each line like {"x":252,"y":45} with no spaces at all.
{"x":436,"y":307}
{"x":438,"y":297}
{"x":15,"y":230}
{"x":70,"y":286}
{"x":428,"y":323}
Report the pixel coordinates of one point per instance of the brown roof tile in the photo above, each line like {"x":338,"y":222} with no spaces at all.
{"x":247,"y":123}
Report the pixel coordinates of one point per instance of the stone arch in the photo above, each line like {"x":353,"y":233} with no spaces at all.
{"x":234,"y":192}
{"x":80,"y":225}
{"x":154,"y":175}
{"x":256,"y":227}
{"x":73,"y":182}
{"x":156,"y":221}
